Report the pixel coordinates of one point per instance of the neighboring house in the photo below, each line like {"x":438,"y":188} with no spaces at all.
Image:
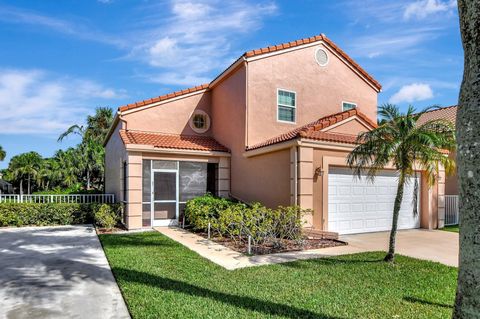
{"x":5,"y":187}
{"x":447,"y":113}
{"x":274,"y":127}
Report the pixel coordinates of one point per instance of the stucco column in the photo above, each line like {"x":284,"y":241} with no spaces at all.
{"x":441,"y":198}
{"x":224,"y":177}
{"x":431,"y":197}
{"x":134,"y":190}
{"x":305,"y":181}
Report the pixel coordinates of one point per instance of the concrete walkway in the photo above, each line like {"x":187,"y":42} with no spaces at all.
{"x":437,"y":246}
{"x":56,"y":272}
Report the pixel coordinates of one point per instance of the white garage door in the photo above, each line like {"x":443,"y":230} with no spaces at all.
{"x":359,"y":206}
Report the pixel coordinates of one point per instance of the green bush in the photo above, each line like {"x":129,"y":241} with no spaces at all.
{"x":202,"y":210}
{"x":239,"y":220}
{"x":107,"y":216}
{"x":35,"y":214}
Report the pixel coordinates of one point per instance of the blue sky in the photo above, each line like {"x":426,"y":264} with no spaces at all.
{"x":61,"y":59}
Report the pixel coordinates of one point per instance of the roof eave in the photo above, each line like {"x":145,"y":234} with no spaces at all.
{"x":177,"y":151}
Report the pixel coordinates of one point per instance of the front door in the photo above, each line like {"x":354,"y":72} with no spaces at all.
{"x":165,"y":197}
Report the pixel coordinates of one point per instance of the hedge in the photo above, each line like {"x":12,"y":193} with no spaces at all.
{"x":240,"y":220}
{"x":35,"y":214}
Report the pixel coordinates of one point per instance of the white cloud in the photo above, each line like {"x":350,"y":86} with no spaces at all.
{"x":411,"y":93}
{"x":197,"y":38}
{"x":391,"y":43}
{"x":21,"y":16}
{"x":35,"y":102}
{"x":424,"y":8}
{"x":394,"y":36}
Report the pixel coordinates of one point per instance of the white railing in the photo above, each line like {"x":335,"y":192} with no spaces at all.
{"x":451,"y":210}
{"x":71,"y":198}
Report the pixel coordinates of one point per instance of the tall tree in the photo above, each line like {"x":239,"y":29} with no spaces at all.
{"x":25,"y":166}
{"x":467,"y":303}
{"x":409,"y":147}
{"x":91,"y":153}
{"x":2,"y":153}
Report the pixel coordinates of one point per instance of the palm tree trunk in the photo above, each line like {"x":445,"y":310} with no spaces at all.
{"x":88,"y":179}
{"x":467,"y":303}
{"x":396,"y":211}
{"x":21,"y":186}
{"x":28,"y":183}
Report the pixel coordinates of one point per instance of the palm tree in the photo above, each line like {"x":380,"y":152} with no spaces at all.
{"x":90,"y":151}
{"x":26,"y":165}
{"x":467,"y":302}
{"x":97,"y":126}
{"x":408,"y":147}
{"x":68,"y":161}
{"x":3,"y":154}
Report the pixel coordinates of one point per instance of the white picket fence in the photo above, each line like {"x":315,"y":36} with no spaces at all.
{"x":71,"y":198}
{"x":451,"y":210}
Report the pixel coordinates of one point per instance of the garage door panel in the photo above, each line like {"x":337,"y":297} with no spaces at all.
{"x":357,"y":206}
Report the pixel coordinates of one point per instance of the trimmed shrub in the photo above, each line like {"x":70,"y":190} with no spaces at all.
{"x":36,"y":214}
{"x":239,"y":220}
{"x":202,"y":210}
{"x":107,"y":216}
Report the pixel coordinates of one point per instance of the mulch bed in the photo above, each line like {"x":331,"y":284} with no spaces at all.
{"x":286,"y":245}
{"x":117,"y":229}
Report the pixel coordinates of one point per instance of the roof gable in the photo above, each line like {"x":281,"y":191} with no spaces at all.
{"x":318,"y":38}
{"x":254,"y":53}
{"x":316,"y":130}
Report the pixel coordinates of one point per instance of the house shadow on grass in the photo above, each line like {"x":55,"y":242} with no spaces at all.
{"x":331,"y":261}
{"x":248,"y":303}
{"x":426,"y":302}
{"x":134,"y":240}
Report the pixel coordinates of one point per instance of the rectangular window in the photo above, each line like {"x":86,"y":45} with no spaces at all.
{"x":348,"y":106}
{"x":286,"y":101}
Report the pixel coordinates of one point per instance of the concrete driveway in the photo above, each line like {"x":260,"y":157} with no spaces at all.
{"x":56,"y":272}
{"x":435,"y":245}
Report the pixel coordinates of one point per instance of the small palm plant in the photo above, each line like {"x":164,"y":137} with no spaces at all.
{"x":409,"y":147}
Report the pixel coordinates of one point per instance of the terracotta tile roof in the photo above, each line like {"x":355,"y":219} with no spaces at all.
{"x":162,"y":97}
{"x":251,"y":53}
{"x":321,"y":37}
{"x":182,"y":142}
{"x":448,"y":113}
{"x":313,"y":130}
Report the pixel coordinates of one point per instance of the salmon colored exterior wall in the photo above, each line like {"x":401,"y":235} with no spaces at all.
{"x":171,"y":117}
{"x":115,"y":155}
{"x":351,"y":127}
{"x":228,"y":124}
{"x":319,"y":91}
{"x":265,"y":179}
{"x":451,"y":182}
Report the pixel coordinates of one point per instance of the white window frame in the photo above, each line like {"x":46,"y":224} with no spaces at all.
{"x":292,"y":107}
{"x":343,"y":102}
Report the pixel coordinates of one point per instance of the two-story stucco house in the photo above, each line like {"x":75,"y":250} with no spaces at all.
{"x":274,"y":127}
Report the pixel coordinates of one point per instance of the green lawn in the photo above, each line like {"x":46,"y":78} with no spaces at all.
{"x":160,"y":278}
{"x":453,"y":228}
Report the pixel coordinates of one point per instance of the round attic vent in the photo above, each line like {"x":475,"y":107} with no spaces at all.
{"x":321,"y":57}
{"x":199,"y":121}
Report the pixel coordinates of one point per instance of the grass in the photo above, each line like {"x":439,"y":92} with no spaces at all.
{"x":453,"y":228}
{"x":160,"y":278}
